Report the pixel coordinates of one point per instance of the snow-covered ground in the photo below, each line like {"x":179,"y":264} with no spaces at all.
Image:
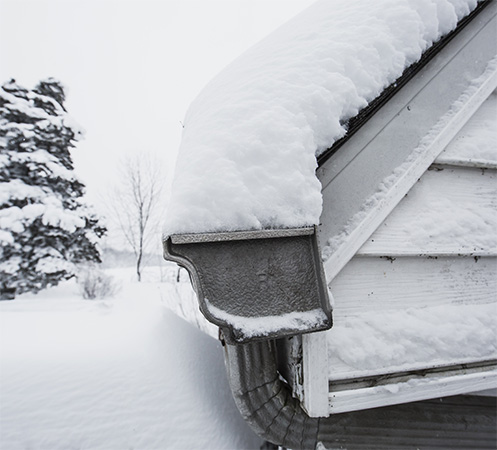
{"x":119,"y":373}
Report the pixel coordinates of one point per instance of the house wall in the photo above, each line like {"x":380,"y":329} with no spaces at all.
{"x":428,"y":274}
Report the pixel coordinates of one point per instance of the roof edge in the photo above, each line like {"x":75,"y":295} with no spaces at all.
{"x":356,"y":122}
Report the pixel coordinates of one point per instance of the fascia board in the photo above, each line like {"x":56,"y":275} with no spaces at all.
{"x":406,"y":389}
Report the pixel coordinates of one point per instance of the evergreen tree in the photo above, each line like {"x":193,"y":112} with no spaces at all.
{"x":45,"y":227}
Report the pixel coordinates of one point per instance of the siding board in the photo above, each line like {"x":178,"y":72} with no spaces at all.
{"x":451,"y":210}
{"x":378,"y":283}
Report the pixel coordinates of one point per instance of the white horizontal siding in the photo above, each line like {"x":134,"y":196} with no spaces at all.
{"x":420,"y":293}
{"x":379,"y":283}
{"x":476,"y":144}
{"x":422,"y":290}
{"x":451,"y":210}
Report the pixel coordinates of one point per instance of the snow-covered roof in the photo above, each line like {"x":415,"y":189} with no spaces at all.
{"x":259,"y":125}
{"x":248,"y":154}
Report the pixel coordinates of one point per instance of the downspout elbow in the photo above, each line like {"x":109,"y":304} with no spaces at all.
{"x":265,"y":401}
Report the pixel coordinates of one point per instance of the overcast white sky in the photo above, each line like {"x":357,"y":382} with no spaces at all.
{"x":131,"y":67}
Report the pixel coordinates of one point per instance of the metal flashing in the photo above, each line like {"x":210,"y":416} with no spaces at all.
{"x":195,"y":238}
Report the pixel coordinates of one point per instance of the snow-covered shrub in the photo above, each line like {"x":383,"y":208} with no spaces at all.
{"x":95,"y":283}
{"x":45,"y":227}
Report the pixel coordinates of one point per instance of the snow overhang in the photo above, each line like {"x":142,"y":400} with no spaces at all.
{"x":256,"y":284}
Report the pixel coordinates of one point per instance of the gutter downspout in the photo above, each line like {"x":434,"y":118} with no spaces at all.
{"x":264,"y":400}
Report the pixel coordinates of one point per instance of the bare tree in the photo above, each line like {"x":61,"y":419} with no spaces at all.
{"x":136,"y":203}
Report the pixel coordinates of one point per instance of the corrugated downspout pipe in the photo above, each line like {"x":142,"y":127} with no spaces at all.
{"x":265,"y":400}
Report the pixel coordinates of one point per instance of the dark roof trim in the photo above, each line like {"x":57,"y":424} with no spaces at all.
{"x":356,"y":122}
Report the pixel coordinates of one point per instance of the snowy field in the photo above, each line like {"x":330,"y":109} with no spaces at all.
{"x":120,"y":373}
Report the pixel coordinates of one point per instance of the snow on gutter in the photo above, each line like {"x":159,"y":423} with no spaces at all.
{"x":265,"y":325}
{"x":247,"y":159}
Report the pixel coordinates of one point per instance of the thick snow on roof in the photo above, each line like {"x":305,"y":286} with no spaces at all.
{"x":247,"y":157}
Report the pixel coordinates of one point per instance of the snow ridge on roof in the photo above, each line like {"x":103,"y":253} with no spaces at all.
{"x":247,"y":159}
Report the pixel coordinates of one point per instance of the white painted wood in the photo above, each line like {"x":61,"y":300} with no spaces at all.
{"x":476,"y":144}
{"x":372,"y":217}
{"x":315,"y":374}
{"x":342,"y":374}
{"x":464,"y":162}
{"x":415,"y":389}
{"x":373,"y":295}
{"x":450,"y":211}
{"x":350,"y":214}
{"x":374,"y":283}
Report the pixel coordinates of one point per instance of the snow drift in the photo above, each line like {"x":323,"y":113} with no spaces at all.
{"x":114,"y":374}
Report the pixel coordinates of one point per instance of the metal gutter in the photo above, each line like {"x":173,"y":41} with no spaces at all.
{"x":261,"y":284}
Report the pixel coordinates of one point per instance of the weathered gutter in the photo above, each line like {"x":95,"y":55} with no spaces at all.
{"x":265,"y":401}
{"x":256,"y":284}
